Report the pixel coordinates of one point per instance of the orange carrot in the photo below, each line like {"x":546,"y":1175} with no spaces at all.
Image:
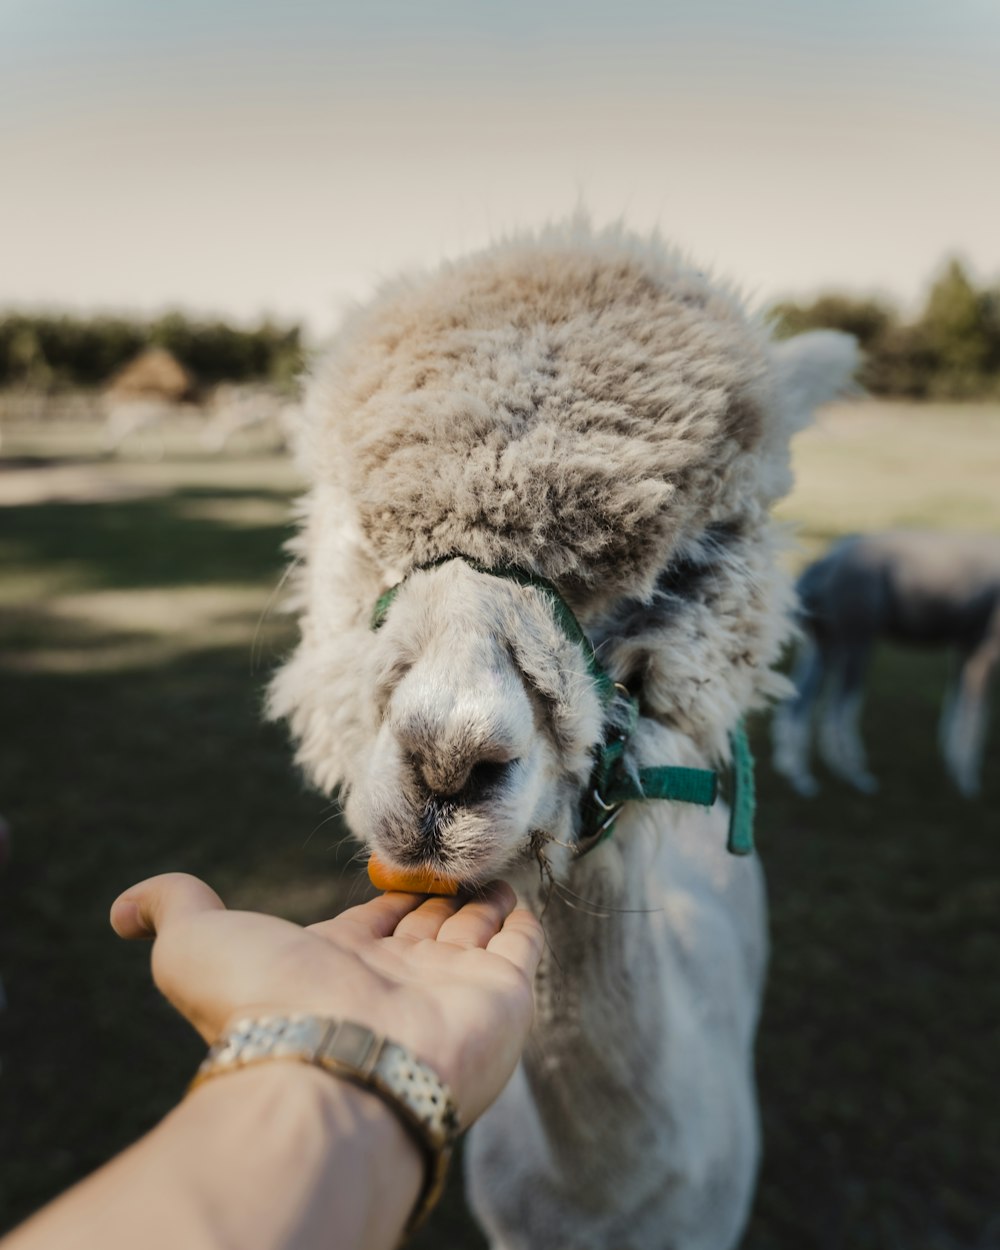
{"x":408,"y":880}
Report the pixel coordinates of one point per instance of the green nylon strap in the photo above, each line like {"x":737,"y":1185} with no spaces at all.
{"x":611,"y":755}
{"x":610,"y":785}
{"x":683,"y":785}
{"x":382,"y":605}
{"x":743,"y":799}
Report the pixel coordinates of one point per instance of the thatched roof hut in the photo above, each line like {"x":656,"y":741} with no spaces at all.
{"x":154,"y":374}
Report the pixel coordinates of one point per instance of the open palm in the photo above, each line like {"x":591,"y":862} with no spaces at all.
{"x":449,"y":980}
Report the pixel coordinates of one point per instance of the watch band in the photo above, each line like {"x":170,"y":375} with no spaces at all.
{"x":357,"y":1054}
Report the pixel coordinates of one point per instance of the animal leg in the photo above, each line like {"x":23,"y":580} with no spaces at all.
{"x":947,"y":717}
{"x":839,"y":733}
{"x":965,"y":717}
{"x":791,"y":726}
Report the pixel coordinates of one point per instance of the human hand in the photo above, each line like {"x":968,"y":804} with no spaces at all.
{"x":450,"y":980}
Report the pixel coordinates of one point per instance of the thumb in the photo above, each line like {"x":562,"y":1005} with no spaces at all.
{"x":146,"y":909}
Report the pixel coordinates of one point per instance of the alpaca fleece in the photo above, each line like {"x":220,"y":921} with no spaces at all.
{"x":575,"y":406}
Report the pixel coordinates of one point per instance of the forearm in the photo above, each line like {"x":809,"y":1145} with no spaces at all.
{"x":275,"y":1157}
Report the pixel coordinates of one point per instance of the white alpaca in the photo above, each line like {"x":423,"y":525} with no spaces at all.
{"x":126,"y":418}
{"x":237,"y":409}
{"x":587,"y":407}
{"x":922,"y":588}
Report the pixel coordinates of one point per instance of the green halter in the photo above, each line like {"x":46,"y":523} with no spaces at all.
{"x":610,"y":785}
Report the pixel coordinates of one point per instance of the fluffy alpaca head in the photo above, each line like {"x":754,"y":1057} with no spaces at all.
{"x":589,"y":407}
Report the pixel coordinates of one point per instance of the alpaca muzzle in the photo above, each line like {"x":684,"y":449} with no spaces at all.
{"x":612,"y":781}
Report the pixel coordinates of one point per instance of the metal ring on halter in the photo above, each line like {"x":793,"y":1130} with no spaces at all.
{"x":595,"y":794}
{"x":611,"y":817}
{"x":588,"y":843}
{"x":612,"y":810}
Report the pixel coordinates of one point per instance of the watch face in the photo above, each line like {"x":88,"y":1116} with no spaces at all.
{"x":353,"y":1045}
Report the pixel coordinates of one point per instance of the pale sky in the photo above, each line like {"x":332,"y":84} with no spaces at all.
{"x":243,"y":157}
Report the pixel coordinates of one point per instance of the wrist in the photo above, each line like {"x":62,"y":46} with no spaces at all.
{"x":313,"y":1155}
{"x":270,"y":1157}
{"x":351,"y":1052}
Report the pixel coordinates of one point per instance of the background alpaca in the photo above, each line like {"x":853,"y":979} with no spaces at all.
{"x":591,"y":408}
{"x":926,"y":589}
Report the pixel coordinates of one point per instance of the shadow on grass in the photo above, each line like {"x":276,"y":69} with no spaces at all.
{"x":143,"y":542}
{"x":112,"y":778}
{"x":37,"y":460}
{"x":877,"y":1053}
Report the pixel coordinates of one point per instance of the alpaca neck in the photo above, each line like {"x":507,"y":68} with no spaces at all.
{"x":633,"y":1114}
{"x":590,"y":1063}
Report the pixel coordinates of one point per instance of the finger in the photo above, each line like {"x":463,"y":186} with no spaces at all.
{"x":520,"y":941}
{"x":145,"y":909}
{"x":377,"y":918}
{"x":426,"y":921}
{"x":479,"y":920}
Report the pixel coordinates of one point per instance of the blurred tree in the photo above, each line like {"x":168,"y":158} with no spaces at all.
{"x":867,"y":319}
{"x":24,"y":360}
{"x":956,"y":327}
{"x":952,"y":350}
{"x":991,"y":322}
{"x":215,"y":351}
{"x":873,"y":322}
{"x":902,"y":363}
{"x":43,"y":351}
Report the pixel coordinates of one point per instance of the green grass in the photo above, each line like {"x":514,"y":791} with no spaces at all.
{"x":134,"y":647}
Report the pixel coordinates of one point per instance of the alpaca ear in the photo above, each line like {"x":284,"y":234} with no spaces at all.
{"x":811,"y":369}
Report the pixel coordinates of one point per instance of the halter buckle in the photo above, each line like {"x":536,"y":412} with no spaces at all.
{"x":612,"y":811}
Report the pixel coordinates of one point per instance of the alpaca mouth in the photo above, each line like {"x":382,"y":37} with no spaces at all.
{"x":436,"y":819}
{"x":470,"y":844}
{"x":425,"y":859}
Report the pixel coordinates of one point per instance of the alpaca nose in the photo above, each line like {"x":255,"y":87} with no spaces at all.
{"x":463,"y":774}
{"x":460,"y":731}
{"x":454,"y":756}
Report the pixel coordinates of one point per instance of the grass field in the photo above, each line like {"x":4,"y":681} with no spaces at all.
{"x":137,"y":633}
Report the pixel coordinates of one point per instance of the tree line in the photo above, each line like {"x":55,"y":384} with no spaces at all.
{"x":950,"y":350}
{"x":56,"y":352}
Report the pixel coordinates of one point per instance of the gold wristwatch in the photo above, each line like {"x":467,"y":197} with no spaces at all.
{"x":355,"y":1053}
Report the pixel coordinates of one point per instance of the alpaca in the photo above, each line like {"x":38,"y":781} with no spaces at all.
{"x":924,"y":589}
{"x":236,"y":409}
{"x":583,"y":407}
{"x":126,"y":418}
